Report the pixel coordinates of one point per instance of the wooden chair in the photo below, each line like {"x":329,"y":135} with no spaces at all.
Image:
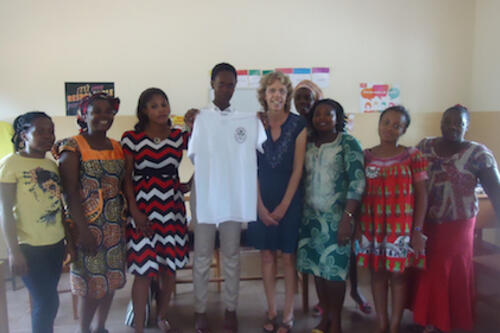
{"x":4,"y":318}
{"x":486,"y":255}
{"x":74,"y":298}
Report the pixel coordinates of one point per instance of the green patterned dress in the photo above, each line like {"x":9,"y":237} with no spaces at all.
{"x":334,"y":173}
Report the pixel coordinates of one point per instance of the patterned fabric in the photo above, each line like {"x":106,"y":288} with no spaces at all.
{"x":158,"y":195}
{"x":101,"y":175}
{"x":81,"y":113}
{"x":279,"y":154}
{"x":453,"y":179}
{"x":275,"y":168}
{"x":387,"y":210}
{"x":334,"y":173}
{"x":37,"y":207}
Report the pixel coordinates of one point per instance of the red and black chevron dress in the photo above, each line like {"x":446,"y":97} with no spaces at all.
{"x":158,"y":195}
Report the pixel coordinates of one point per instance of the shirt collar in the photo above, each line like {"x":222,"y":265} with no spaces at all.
{"x":227,"y":110}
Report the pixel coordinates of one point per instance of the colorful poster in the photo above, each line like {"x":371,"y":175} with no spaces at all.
{"x":254,"y":78}
{"x":377,"y":97}
{"x":76,"y":91}
{"x":321,"y":76}
{"x":300,"y":74}
{"x":287,"y":70}
{"x":242,"y":78}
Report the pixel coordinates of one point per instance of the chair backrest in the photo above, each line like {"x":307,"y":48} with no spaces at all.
{"x":486,"y":218}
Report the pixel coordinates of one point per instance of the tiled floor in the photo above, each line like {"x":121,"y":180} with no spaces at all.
{"x":251,"y":309}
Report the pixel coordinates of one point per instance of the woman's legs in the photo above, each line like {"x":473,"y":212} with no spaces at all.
{"x":379,"y":282}
{"x":44,"y":270}
{"x":323,"y":303}
{"x":140,"y":293}
{"x":335,"y":291}
{"x":268,"y":265}
{"x":290,"y":273}
{"x":353,"y":279}
{"x":103,"y":311}
{"x":88,"y":306}
{"x":398,"y":299}
{"x":167,"y":285}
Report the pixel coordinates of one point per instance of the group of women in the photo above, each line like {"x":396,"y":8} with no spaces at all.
{"x":408,"y":212}
{"x":324,"y":203}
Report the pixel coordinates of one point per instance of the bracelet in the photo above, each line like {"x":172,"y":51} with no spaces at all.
{"x":419,"y":229}
{"x":348,"y":213}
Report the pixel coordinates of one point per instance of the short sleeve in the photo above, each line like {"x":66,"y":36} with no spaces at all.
{"x":194,"y":143}
{"x":7,"y":170}
{"x":483,"y":158}
{"x":68,"y":144}
{"x":354,"y":163}
{"x":418,"y":165}
{"x":421,"y":145}
{"x":185,"y":139}
{"x":261,"y":136}
{"x":128,"y":143}
{"x":302,"y":122}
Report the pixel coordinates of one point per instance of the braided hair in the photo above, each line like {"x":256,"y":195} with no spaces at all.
{"x":22,"y":123}
{"x":339,"y":113}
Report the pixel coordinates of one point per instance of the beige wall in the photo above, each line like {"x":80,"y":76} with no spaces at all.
{"x":441,"y":52}
{"x":482,"y":129}
{"x":486,"y":57}
{"x":423,"y":45}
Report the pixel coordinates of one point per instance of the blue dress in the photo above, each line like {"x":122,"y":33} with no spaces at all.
{"x":275,"y":168}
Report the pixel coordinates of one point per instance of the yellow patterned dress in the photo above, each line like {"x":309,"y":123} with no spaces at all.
{"x":101,"y":175}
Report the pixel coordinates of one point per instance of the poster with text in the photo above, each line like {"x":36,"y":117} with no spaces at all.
{"x":377,"y":97}
{"x":76,"y":91}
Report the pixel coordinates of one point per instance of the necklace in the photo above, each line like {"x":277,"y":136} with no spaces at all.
{"x":156,"y":140}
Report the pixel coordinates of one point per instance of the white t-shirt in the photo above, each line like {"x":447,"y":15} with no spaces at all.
{"x":223,"y":148}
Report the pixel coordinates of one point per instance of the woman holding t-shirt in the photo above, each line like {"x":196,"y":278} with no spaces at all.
{"x":280,"y":201}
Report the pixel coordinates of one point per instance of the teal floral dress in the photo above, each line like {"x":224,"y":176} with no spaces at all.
{"x":334,"y":173}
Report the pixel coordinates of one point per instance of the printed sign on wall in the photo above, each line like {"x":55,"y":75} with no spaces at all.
{"x":76,"y":91}
{"x":377,"y":97}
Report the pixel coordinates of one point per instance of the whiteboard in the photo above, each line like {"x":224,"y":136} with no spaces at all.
{"x":244,"y":100}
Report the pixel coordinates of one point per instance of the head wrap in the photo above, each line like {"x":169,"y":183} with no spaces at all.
{"x":88,"y":100}
{"x":308,"y":84}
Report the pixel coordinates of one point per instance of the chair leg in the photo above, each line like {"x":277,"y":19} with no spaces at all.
{"x":74,"y":300}
{"x":305,"y":292}
{"x":217,"y":268}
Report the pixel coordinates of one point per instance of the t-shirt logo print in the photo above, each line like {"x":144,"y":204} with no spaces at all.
{"x":240,"y":134}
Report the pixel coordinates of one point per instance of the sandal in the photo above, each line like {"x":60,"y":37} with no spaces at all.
{"x":286,"y":326}
{"x":317,"y":311}
{"x":365,"y":307}
{"x":165,"y":326}
{"x":273,"y":322}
